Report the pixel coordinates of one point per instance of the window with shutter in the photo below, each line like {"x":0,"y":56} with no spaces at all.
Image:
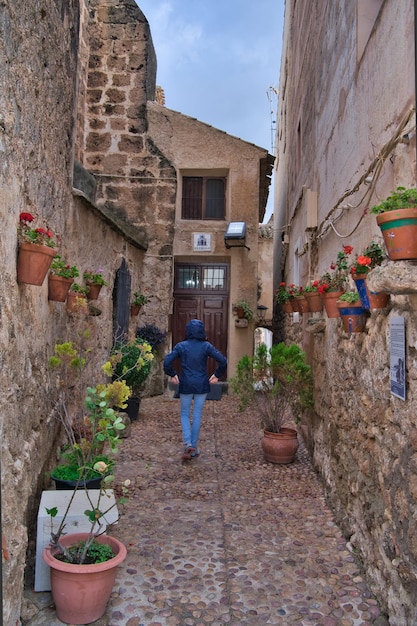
{"x":203,"y":197}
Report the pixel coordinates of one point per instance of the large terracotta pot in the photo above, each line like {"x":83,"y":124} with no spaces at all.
{"x":369,"y":299}
{"x":33,"y":263}
{"x":280,"y":447}
{"x":353,"y":315}
{"x":81,"y":592}
{"x":399,"y":229}
{"x":315,"y":303}
{"x":330,"y":299}
{"x":58,"y":287}
{"x":134,"y":309}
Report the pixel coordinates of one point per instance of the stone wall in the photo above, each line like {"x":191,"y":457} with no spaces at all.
{"x":340,"y":123}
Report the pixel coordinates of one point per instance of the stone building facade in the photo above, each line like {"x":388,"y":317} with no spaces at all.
{"x":345,"y":140}
{"x":82,"y":149}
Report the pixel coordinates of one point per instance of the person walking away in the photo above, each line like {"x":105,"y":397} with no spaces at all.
{"x":194,"y":381}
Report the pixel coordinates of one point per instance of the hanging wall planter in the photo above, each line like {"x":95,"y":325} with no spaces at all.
{"x":58,"y":287}
{"x":370,"y":299}
{"x":399,"y":229}
{"x":353,"y":315}
{"x":33,"y":263}
{"x":315,"y":303}
{"x":330,"y":299}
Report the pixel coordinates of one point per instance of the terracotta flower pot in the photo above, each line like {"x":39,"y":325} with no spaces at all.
{"x":280,"y":447}
{"x":134,"y":309}
{"x":370,"y":299}
{"x":76,"y":303}
{"x":81,"y":592}
{"x":353,"y":315}
{"x":287,"y":307}
{"x":399,"y":230}
{"x":314,"y":300}
{"x":58,"y":287}
{"x":33,"y":263}
{"x":303,"y":304}
{"x":329,"y":300}
{"x":295,"y":304}
{"x":93,"y":291}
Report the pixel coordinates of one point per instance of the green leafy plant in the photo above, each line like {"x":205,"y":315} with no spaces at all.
{"x":96,"y":278}
{"x":246,"y":308}
{"x":276,"y":383}
{"x":312,"y":288}
{"x":349,"y":296}
{"x":80,"y":289}
{"x":401,"y":198}
{"x":139,"y":299}
{"x":130,"y":361}
{"x":28,"y":234}
{"x":59,"y":267}
{"x":337,"y":278}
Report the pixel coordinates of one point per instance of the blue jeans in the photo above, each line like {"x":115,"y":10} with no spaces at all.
{"x":191,"y":433}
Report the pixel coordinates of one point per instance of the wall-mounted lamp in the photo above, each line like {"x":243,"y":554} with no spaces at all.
{"x":235,"y":234}
{"x":261,"y":310}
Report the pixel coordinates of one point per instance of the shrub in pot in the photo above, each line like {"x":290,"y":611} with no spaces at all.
{"x":277,"y":384}
{"x":396,"y":216}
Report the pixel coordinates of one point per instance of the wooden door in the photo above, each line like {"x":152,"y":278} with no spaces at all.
{"x":202,"y":292}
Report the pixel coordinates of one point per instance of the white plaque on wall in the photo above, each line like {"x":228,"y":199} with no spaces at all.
{"x":202,"y":242}
{"x":397,"y":357}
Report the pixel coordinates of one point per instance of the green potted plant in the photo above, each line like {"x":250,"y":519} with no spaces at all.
{"x":243,"y":310}
{"x":95,"y":281}
{"x":138,"y":300}
{"x":396,"y":216}
{"x":352,"y":312}
{"x":60,"y":278}
{"x":131,"y":361}
{"x":372,"y":256}
{"x":277,"y":385}
{"x":36,"y":251}
{"x":83,"y":565}
{"x":283,"y":297}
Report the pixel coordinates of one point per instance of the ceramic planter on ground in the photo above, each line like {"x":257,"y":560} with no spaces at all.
{"x":399,"y":229}
{"x":33,"y":263}
{"x":81,"y":592}
{"x":280,"y":447}
{"x":353,"y":315}
{"x":369,"y":299}
{"x":330,"y":299}
{"x":58,"y":287}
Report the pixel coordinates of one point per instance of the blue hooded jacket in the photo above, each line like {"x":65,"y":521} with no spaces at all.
{"x":193,"y":354}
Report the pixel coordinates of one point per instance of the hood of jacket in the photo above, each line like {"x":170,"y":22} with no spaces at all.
{"x":195,"y":330}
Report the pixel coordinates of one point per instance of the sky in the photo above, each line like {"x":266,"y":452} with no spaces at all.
{"x":219,"y":61}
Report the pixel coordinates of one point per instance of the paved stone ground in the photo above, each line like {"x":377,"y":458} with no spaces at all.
{"x":227,"y":538}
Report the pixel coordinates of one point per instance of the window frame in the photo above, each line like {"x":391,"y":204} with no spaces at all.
{"x":203,"y":207}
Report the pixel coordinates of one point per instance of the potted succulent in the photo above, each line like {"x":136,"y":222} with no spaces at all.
{"x":131,"y":361}
{"x":139,"y":299}
{"x":243,"y":310}
{"x":352,"y":312}
{"x":333,"y":283}
{"x":396,"y":216}
{"x":372,"y":256}
{"x":60,"y":278}
{"x":277,"y":385}
{"x":83,"y":565}
{"x":36,"y":251}
{"x":95,"y":281}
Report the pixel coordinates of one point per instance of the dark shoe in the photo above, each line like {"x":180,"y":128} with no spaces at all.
{"x":187,"y":454}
